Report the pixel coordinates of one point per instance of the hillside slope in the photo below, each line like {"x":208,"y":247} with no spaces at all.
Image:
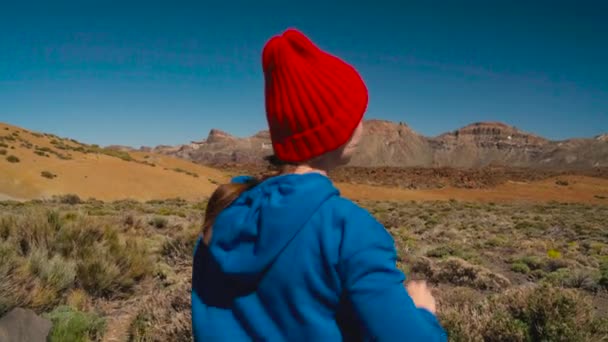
{"x":44,"y":165}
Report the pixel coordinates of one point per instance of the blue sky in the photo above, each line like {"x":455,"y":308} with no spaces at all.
{"x":148,"y":73}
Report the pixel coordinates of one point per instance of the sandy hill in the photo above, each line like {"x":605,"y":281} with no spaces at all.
{"x":37,"y":165}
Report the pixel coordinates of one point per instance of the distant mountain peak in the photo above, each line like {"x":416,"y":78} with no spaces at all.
{"x":216,"y":135}
{"x":262,"y":135}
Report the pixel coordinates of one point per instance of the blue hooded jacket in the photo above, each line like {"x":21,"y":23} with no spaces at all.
{"x":291,"y":260}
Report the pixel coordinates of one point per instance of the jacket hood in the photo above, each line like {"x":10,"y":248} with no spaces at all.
{"x":252,"y":232}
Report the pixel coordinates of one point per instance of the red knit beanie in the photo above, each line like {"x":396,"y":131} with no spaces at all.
{"x":314,"y":101}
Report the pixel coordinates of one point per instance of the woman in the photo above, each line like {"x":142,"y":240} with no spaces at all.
{"x":286,"y":258}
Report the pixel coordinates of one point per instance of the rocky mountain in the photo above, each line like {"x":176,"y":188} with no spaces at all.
{"x":387,"y":143}
{"x":221,"y":148}
{"x":485,"y":143}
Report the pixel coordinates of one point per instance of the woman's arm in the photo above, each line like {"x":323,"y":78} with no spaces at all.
{"x":374,"y":285}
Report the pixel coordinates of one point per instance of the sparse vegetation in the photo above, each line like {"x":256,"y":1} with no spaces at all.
{"x":8,"y":138}
{"x":495,"y":282}
{"x":536,"y":313}
{"x":2,"y":152}
{"x":26,"y":144}
{"x":12,"y":159}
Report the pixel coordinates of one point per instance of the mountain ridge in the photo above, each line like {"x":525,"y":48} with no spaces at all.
{"x":396,"y":144}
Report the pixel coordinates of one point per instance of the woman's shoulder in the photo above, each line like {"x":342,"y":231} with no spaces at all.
{"x":349,"y":212}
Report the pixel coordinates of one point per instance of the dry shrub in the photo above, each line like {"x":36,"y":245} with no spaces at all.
{"x":459,"y":272}
{"x":165,"y":317}
{"x":44,"y":257}
{"x":181,"y":247}
{"x":535,"y":313}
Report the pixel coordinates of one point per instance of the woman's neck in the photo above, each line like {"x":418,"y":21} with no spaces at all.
{"x":304,"y":169}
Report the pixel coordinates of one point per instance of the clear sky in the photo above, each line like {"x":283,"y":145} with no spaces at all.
{"x":166,"y":72}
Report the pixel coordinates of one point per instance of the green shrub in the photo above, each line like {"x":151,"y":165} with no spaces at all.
{"x":520,"y":267}
{"x":3,"y":145}
{"x":72,"y":325}
{"x":158,"y":222}
{"x":56,"y":272}
{"x":2,"y":152}
{"x":40,"y":153}
{"x":533,"y":262}
{"x":12,"y":159}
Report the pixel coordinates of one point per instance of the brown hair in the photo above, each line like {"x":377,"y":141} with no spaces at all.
{"x":226,"y":194}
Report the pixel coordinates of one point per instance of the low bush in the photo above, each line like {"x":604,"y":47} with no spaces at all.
{"x":47,"y":174}
{"x":520,"y":267}
{"x":158,"y":222}
{"x":537,"y":313}
{"x":71,"y":199}
{"x":44,"y":257}
{"x":459,"y":272}
{"x":73,"y":325}
{"x":12,"y":159}
{"x":165,"y":317}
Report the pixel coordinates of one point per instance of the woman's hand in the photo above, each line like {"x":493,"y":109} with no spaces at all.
{"x":421,"y":295}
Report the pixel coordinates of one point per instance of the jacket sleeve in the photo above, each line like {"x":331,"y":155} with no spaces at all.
{"x":374,"y":285}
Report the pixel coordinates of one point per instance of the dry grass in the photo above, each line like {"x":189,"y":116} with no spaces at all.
{"x":502,"y":272}
{"x":531,"y":313}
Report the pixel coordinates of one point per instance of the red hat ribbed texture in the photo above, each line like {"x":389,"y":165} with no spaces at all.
{"x":314,"y":100}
